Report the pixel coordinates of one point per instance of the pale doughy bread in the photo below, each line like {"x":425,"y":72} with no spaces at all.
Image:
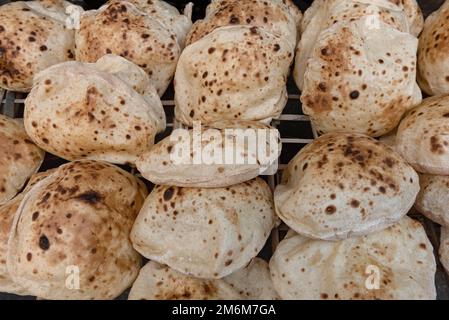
{"x":359,"y":79}
{"x":433,"y":198}
{"x":423,"y":136}
{"x":234,"y":72}
{"x":149,"y":34}
{"x":205,"y":233}
{"x":281,"y":18}
{"x":77,"y":219}
{"x":433,"y":53}
{"x":345,"y":185}
{"x":160,"y":282}
{"x":33,"y":37}
{"x":7,"y":212}
{"x":399,"y":260}
{"x":163,"y":164}
{"x":104,"y":111}
{"x":19,"y":158}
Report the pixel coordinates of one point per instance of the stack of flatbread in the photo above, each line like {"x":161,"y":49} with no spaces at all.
{"x":34,"y":35}
{"x":236,"y":62}
{"x":345,"y":197}
{"x":149,"y":33}
{"x":356,"y":64}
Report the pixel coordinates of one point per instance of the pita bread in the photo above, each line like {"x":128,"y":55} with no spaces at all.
{"x":33,"y":36}
{"x":7,"y":212}
{"x":423,"y":136}
{"x":19,"y":158}
{"x":234,"y":72}
{"x":324,"y":14}
{"x":254,"y":281}
{"x":77,"y":219}
{"x":339,"y":90}
{"x":277,"y":17}
{"x":205,"y":233}
{"x":400,"y":258}
{"x":125,"y":28}
{"x":345,"y":185}
{"x":159,"y":282}
{"x":444,"y":248}
{"x":163,"y":164}
{"x":87,"y":111}
{"x":433,"y":198}
{"x":384,"y":9}
{"x":433,"y":57}
{"x":168,"y":15}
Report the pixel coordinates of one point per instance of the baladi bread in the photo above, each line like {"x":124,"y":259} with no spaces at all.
{"x":399,"y":261}
{"x":159,"y":282}
{"x":277,"y":17}
{"x":163,"y":165}
{"x":87,"y":111}
{"x":345,"y":185}
{"x":76,"y":222}
{"x":7,"y":212}
{"x":33,"y":37}
{"x":19,"y":158}
{"x":423,"y":136}
{"x":383,"y":9}
{"x":339,"y":91}
{"x":168,"y":15}
{"x":324,"y":14}
{"x":234,"y":72}
{"x":444,"y":248}
{"x":126,"y":29}
{"x":433,"y":198}
{"x":433,"y":53}
{"x":205,"y":233}
{"x":254,"y":281}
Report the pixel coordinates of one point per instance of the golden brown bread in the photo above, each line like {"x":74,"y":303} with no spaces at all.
{"x":19,"y":157}
{"x":33,"y":36}
{"x":78,"y":217}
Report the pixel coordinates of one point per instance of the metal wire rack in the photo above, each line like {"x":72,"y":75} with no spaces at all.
{"x":296,"y":131}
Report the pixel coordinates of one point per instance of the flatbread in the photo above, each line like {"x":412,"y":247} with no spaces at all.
{"x":433,"y":198}
{"x":104,"y":111}
{"x":165,"y":163}
{"x":345,"y":185}
{"x":234,"y":72}
{"x":19,"y":158}
{"x":75,"y":224}
{"x":399,"y":261}
{"x":205,"y":233}
{"x":33,"y":37}
{"x":423,"y":136}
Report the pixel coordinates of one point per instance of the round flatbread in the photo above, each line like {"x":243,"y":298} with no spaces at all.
{"x":105,"y":111}
{"x":70,"y":235}
{"x":205,"y":233}
{"x":233,"y":73}
{"x":135,"y":31}
{"x":423,"y":136}
{"x":34,"y":35}
{"x":19,"y":158}
{"x":433,"y":198}
{"x":433,"y":56}
{"x":159,"y":282}
{"x":394,"y":264}
{"x":210,"y":157}
{"x":345,"y":185}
